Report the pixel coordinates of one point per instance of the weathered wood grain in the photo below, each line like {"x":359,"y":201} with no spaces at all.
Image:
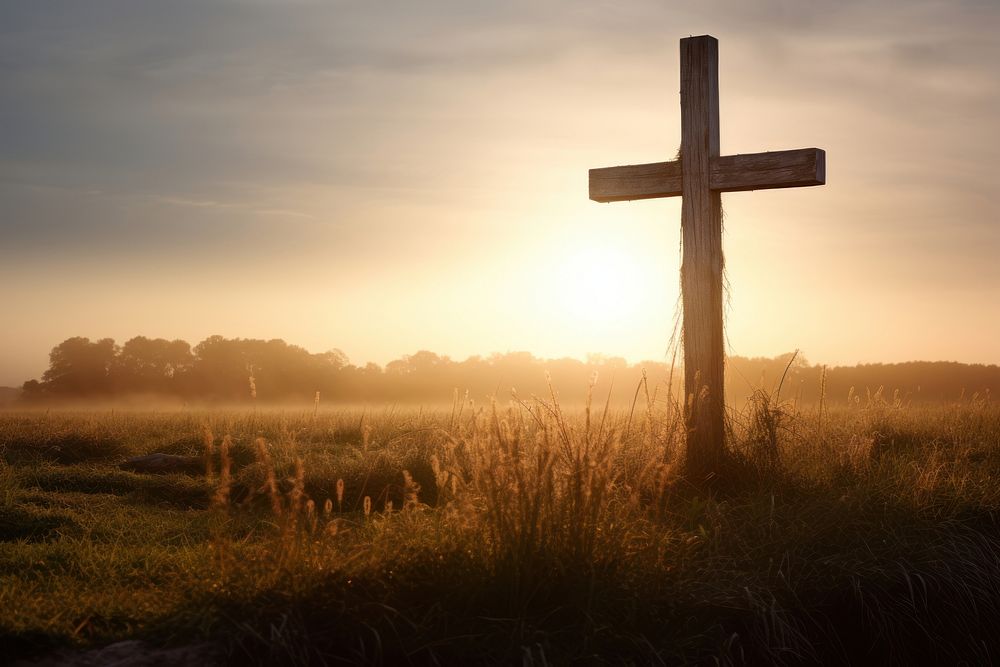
{"x":701,"y":261}
{"x":765,"y":171}
{"x":729,"y":173}
{"x":638,"y":181}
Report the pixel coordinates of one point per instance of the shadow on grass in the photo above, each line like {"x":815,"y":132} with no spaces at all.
{"x":67,"y":448}
{"x":19,"y":523}
{"x":781,"y":585}
{"x":167,"y":490}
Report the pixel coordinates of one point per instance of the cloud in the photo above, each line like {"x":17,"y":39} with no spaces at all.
{"x":207,"y":117}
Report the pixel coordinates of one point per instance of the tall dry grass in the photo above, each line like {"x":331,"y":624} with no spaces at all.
{"x":525,"y":529}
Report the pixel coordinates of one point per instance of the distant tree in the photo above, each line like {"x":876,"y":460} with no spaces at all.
{"x":334,"y":359}
{"x":78,"y":367}
{"x":418,"y":362}
{"x":152,"y":365}
{"x":221,"y":370}
{"x":606,"y":362}
{"x":284,"y":371}
{"x":32,"y":390}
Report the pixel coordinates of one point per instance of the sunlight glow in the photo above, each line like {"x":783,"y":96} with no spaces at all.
{"x":593,"y":284}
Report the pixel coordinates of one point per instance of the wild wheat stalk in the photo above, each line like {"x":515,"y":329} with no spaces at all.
{"x":209,"y":441}
{"x":270,"y":481}
{"x":220,"y":499}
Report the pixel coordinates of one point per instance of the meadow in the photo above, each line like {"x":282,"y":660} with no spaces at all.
{"x":518,"y":531}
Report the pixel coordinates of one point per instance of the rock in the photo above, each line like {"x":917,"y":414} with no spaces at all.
{"x":161,"y":464}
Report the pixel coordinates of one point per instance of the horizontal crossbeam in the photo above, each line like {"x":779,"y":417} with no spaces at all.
{"x":729,"y":173}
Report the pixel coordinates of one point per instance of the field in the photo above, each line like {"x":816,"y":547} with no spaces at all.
{"x":498,"y":534}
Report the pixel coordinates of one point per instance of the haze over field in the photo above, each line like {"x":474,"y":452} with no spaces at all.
{"x":389,"y":177}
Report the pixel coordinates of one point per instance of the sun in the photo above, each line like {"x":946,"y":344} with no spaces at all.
{"x":592,"y":284}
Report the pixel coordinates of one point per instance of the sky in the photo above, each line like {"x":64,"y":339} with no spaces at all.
{"x":384,"y":177}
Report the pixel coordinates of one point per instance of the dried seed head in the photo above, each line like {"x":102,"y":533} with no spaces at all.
{"x":411,"y":491}
{"x":440,"y":476}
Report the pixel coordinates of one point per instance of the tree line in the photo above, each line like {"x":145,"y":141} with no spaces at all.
{"x":243,"y":370}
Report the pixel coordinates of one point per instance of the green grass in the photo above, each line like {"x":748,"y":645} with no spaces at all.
{"x":866,"y":534}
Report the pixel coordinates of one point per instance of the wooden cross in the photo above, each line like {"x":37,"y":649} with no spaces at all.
{"x":699,"y":176}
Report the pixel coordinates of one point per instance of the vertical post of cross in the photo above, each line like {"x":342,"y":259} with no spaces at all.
{"x":702,"y":262}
